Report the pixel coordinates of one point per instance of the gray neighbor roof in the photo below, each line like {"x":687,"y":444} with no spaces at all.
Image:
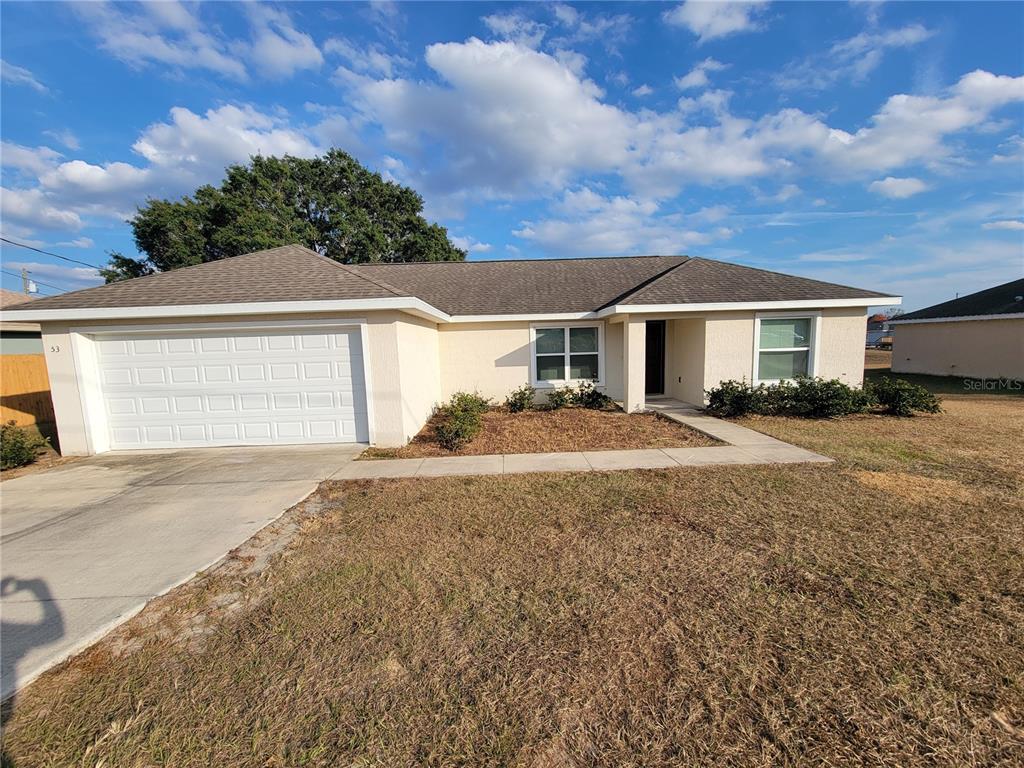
{"x":295,"y":273}
{"x":1003,"y":299}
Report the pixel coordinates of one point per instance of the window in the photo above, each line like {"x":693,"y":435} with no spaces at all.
{"x":567,"y":353}
{"x":784,"y":348}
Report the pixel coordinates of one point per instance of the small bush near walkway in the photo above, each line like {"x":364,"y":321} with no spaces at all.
{"x":819,"y":398}
{"x":18,"y":446}
{"x":461,"y":421}
{"x":583,"y":395}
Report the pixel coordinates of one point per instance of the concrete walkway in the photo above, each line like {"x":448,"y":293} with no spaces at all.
{"x":741,"y":446}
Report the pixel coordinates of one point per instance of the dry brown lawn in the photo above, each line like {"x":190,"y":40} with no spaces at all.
{"x":567,"y":429}
{"x":865,"y":612}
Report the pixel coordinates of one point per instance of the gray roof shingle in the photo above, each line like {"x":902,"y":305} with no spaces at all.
{"x":542,"y":286}
{"x":999,"y":300}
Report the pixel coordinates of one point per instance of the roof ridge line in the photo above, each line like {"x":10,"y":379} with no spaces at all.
{"x":348,"y":268}
{"x":640,"y":286}
{"x":522,"y":261}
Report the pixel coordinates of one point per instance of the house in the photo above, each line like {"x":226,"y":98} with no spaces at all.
{"x":878,"y":330}
{"x":24,"y":386}
{"x":286,"y":346}
{"x":979,"y":336}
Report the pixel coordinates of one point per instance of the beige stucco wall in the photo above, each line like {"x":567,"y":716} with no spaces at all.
{"x":983,"y":349}
{"x":684,"y":360}
{"x":842,"y":344}
{"x":398,"y":406}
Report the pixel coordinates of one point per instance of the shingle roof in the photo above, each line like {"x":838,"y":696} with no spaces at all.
{"x":543,"y":286}
{"x":1000,"y":300}
{"x":524,"y":286}
{"x":288,"y":273}
{"x":703,"y":281}
{"x":10,"y":298}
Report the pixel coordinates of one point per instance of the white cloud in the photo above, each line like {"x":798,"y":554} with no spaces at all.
{"x":371,"y":60}
{"x":78,"y":242}
{"x":168,"y":33}
{"x":710,"y":19}
{"x":278,"y":49}
{"x":15,"y":75}
{"x":852,"y":59}
{"x":36,"y":160}
{"x":698,"y":76}
{"x":786,"y":192}
{"x":896,"y":188}
{"x":508,"y":120}
{"x":470,"y":244}
{"x":517,"y":27}
{"x":643,"y":90}
{"x":594,"y":225}
{"x":1013,"y":151}
{"x":29,"y":208}
{"x":64,"y":137}
{"x":1007,"y":224}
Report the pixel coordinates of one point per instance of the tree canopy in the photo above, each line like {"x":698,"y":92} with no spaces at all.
{"x":331,"y":204}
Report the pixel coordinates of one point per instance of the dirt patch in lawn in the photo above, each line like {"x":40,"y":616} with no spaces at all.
{"x":567,"y":429}
{"x":758,"y":615}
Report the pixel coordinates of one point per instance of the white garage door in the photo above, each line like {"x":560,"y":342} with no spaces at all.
{"x":259,"y":387}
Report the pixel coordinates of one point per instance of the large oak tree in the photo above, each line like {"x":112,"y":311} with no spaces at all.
{"x":331,"y":204}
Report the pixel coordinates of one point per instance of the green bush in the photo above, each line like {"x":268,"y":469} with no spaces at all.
{"x":736,"y":398}
{"x":586,"y":395}
{"x":814,"y":399}
{"x":560,"y":397}
{"x":460,"y":419}
{"x":902,"y":398}
{"x":18,"y":446}
{"x":520,"y":399}
{"x":457,"y":428}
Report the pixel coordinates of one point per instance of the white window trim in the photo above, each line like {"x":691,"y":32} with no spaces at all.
{"x":812,"y":356}
{"x":553,"y":383}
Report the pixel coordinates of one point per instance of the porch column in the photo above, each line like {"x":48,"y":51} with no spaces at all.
{"x":634,"y":363}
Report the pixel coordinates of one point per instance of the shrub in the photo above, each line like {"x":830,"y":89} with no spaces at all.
{"x":814,"y":399}
{"x":735,"y":398}
{"x":520,"y":399}
{"x":460,"y":419}
{"x":469,"y":402}
{"x":560,"y":397}
{"x":586,"y":395}
{"x":902,"y":398}
{"x":18,"y":446}
{"x":805,"y":398}
{"x":457,"y":429}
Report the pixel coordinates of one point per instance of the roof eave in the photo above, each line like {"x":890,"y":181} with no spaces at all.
{"x":958,"y":318}
{"x":646,"y":309}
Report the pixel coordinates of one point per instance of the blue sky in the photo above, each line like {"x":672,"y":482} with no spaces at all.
{"x":873,"y":144}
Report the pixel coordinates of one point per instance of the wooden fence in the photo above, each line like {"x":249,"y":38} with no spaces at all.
{"x":25,"y":392}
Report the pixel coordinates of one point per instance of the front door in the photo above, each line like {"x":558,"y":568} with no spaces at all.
{"x":655,"y":374}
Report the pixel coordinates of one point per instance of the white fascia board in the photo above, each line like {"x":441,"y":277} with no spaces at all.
{"x":408,"y":304}
{"x":550,"y":316}
{"x":965,"y":318}
{"x":725,"y":306}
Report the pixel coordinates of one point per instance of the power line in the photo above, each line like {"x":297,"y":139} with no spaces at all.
{"x":37,"y":282}
{"x":48,"y":253}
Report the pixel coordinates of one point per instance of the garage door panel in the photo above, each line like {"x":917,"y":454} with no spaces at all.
{"x":184,"y":390}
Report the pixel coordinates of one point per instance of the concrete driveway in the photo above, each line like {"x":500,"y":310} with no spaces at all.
{"x":86,"y":546}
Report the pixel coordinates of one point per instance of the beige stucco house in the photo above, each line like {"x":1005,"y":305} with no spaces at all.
{"x":286,"y":346}
{"x":979,"y":336}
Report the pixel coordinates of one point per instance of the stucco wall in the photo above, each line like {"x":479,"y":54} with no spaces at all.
{"x":392,"y":422}
{"x":684,"y":360}
{"x":419,"y":371}
{"x":983,"y":349}
{"x":842,"y":344}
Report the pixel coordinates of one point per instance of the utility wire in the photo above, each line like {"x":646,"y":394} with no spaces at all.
{"x":48,"y":253}
{"x":37,"y":282}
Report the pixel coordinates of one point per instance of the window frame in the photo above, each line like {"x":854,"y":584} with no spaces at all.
{"x":566,"y":325}
{"x":811,"y":348}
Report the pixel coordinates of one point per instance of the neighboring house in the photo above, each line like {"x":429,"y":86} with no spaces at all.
{"x":878,"y":332}
{"x":24,"y":385}
{"x":980,"y":336}
{"x":286,"y":346}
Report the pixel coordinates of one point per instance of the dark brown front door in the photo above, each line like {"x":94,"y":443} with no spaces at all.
{"x":655,"y":373}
